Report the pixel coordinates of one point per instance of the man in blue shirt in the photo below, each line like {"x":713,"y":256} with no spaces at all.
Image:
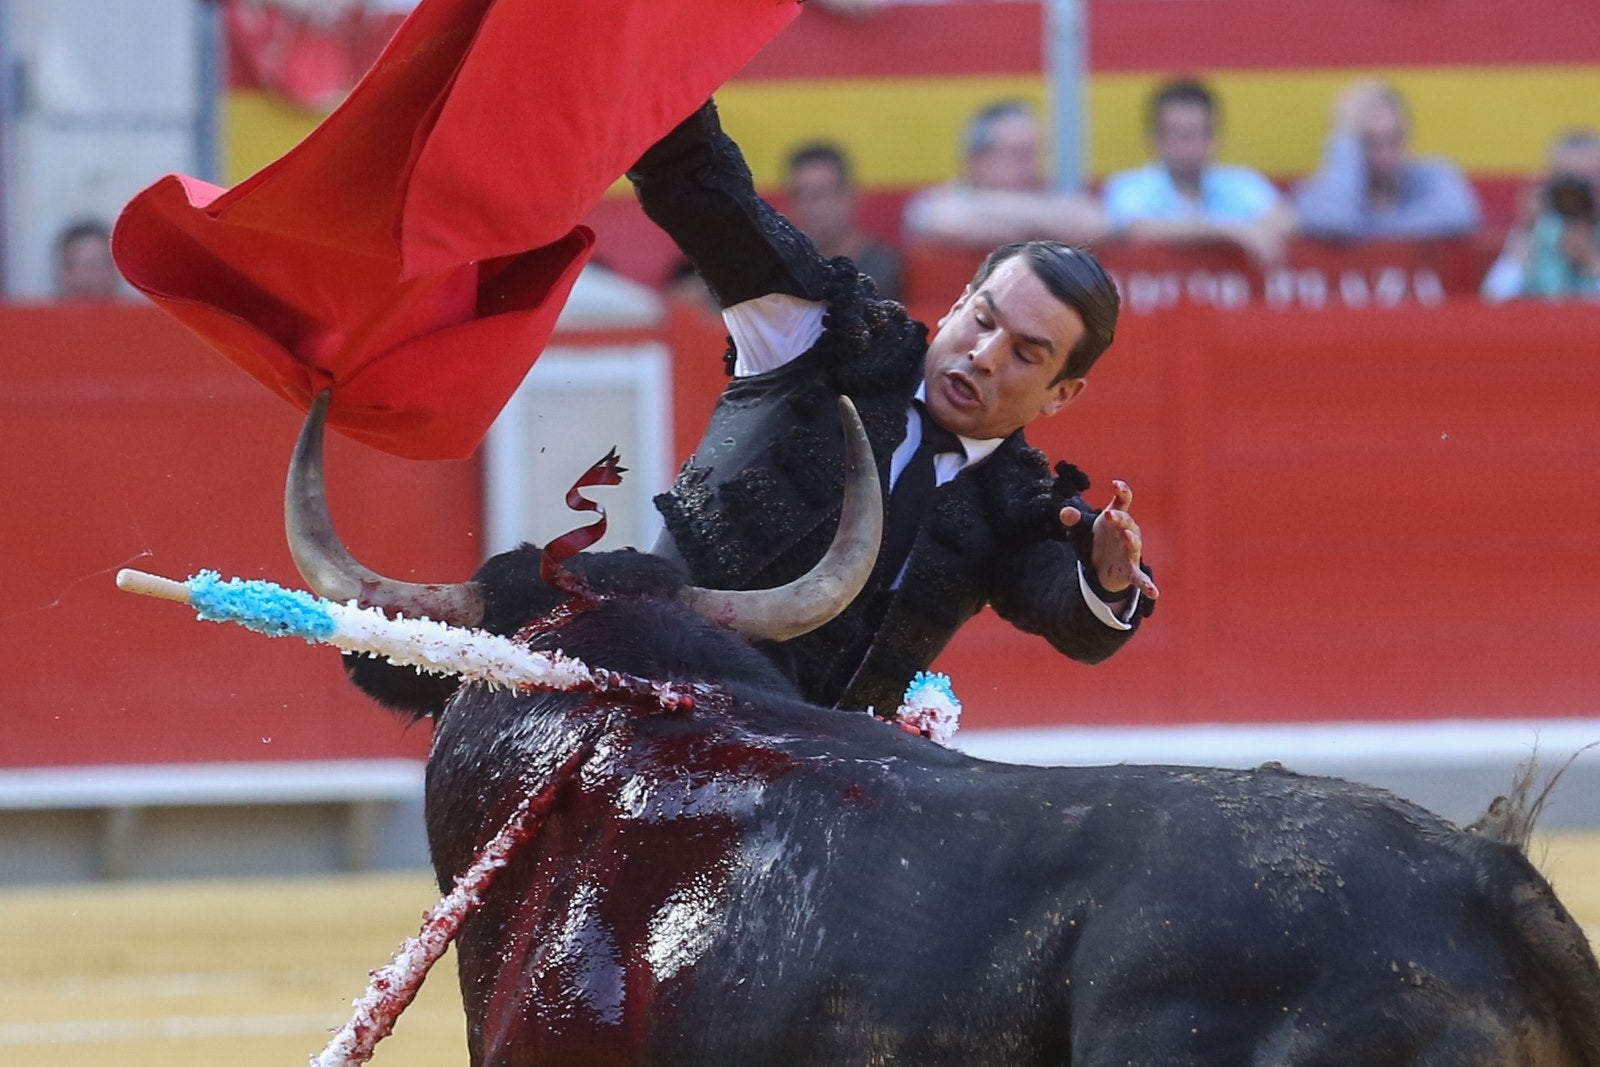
{"x":1184,"y":195}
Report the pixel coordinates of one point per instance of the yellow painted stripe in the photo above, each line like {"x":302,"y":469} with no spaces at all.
{"x":1490,"y":120}
{"x":896,"y":128}
{"x":902,"y":132}
{"x":257,"y":128}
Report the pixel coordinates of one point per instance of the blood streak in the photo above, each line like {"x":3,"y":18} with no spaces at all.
{"x":611,"y":909}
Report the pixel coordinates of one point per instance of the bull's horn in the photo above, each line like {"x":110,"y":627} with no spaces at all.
{"x":327,"y":565}
{"x":828,"y":588}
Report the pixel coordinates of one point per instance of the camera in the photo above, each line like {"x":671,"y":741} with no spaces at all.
{"x":1572,"y":198}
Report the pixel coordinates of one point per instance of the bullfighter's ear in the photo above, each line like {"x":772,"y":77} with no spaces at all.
{"x":1062,"y":393}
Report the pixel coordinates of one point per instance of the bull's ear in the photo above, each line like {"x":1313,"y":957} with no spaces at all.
{"x":514,"y":594}
{"x":402,"y":689}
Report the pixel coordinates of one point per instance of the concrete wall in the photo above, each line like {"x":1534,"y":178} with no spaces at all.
{"x":102,"y":97}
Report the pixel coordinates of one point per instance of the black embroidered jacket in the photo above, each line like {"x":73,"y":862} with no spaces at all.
{"x":758,"y":502}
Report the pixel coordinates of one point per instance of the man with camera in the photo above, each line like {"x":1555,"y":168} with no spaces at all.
{"x":1553,"y":252}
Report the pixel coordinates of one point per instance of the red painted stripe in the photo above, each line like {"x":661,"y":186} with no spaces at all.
{"x":901,"y":40}
{"x":1164,"y":35}
{"x":1008,"y":37}
{"x":989,"y":37}
{"x":909,"y":40}
{"x":627,"y":241}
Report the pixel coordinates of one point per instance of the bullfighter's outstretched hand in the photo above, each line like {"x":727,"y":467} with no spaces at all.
{"x":1117,"y":544}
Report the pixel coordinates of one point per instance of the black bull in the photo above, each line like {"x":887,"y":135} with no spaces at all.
{"x":763,"y":881}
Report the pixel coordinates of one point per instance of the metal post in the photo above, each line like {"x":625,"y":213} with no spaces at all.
{"x":208,"y":34}
{"x":1067,"y":71}
{"x":11,"y":75}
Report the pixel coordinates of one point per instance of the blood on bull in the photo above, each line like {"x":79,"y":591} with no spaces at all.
{"x":756,"y":879}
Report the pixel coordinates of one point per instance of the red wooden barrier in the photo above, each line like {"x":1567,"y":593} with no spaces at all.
{"x":1370,"y":515}
{"x":1352,"y":515}
{"x":130,"y":443}
{"x":627,"y":241}
{"x":1313,"y":276}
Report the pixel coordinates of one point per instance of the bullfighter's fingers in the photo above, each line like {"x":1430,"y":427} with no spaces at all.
{"x":1143,"y":583}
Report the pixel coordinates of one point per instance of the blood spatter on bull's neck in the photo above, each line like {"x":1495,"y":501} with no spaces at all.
{"x":657,"y":696}
{"x":623,"y":890}
{"x":579,"y":600}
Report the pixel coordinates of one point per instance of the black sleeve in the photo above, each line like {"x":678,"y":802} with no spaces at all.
{"x":1037,"y":591}
{"x":694,"y":184}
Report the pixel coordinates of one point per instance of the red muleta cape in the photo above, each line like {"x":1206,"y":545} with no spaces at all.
{"x":415,"y":249}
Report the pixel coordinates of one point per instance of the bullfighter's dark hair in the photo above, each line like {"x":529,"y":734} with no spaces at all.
{"x":1075,"y":278}
{"x":1180,"y":91}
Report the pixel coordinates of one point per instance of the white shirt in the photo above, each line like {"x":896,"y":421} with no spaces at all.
{"x":770,"y":331}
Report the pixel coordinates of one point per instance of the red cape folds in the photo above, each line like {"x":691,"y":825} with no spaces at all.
{"x":415,"y":249}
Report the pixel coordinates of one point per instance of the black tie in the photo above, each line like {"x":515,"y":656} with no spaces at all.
{"x":913,"y":490}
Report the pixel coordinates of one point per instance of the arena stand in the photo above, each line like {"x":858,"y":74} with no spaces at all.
{"x":1372,"y":528}
{"x":1488,"y":84}
{"x":1368,"y":498}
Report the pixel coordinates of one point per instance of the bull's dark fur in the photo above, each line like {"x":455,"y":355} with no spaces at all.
{"x":514,"y":595}
{"x":763,"y":881}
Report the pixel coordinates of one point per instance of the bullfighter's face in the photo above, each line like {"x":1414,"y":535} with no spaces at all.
{"x":992,"y":367}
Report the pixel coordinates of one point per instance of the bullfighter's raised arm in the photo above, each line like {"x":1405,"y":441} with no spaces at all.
{"x":695,"y":185}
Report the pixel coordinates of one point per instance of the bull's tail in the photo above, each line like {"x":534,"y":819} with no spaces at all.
{"x":1510,"y":818}
{"x":1553,"y":944}
{"x":1563,"y":964}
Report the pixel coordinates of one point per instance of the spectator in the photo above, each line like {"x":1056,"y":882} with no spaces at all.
{"x":684,"y":287}
{"x":854,"y":9}
{"x":1001,"y":195}
{"x":84,"y":270}
{"x":1553,"y":250}
{"x":1369,"y":185}
{"x":822,"y":202}
{"x":1184,"y":196}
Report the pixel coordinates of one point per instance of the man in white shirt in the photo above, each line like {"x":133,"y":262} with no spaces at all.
{"x":976,"y":518}
{"x":1001,"y":194}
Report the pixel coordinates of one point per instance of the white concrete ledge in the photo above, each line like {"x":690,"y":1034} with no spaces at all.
{"x":197,"y":784}
{"x":137,"y":813}
{"x":1451,"y":766}
{"x":1439,"y":743}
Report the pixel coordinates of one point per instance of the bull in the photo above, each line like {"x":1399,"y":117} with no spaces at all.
{"x":759,"y":880}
